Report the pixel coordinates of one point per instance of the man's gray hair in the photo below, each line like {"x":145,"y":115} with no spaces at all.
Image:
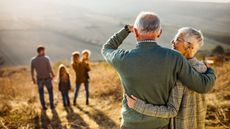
{"x":147,"y":22}
{"x":191,"y":35}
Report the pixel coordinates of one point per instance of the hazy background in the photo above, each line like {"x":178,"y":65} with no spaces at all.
{"x":66,"y":26}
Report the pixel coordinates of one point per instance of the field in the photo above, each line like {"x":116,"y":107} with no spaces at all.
{"x":87,"y":24}
{"x":20,"y":108}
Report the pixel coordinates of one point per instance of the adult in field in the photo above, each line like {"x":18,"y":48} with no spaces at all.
{"x":150,"y":71}
{"x":81,"y":69}
{"x":86,"y":69}
{"x":44,"y":75}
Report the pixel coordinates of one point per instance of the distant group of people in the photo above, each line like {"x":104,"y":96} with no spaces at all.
{"x":44,"y":76}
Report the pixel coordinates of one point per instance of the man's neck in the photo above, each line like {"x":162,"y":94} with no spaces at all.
{"x":146,"y":40}
{"x":40,"y":55}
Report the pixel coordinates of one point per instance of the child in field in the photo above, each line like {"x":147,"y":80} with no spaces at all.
{"x":64,"y":84}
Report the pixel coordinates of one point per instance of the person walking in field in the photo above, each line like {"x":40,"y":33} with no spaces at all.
{"x":44,"y":75}
{"x":86,"y":69}
{"x":81,"y":69}
{"x":76,"y":65}
{"x":64,"y":84}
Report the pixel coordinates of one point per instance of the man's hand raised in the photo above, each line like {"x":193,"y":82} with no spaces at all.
{"x":130,"y":27}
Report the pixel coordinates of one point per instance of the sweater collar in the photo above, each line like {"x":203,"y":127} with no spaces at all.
{"x":147,"y":43}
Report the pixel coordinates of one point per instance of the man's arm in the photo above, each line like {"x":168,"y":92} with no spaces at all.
{"x":50,"y":69}
{"x":110,"y":50}
{"x":164,"y":111}
{"x":199,"y":82}
{"x":32,"y":72}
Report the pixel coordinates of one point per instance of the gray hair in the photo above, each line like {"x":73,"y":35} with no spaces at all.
{"x":147,"y":22}
{"x":191,"y":35}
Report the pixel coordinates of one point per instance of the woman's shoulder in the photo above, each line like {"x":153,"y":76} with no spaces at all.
{"x":198,"y":65}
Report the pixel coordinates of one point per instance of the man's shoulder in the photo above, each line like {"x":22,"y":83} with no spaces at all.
{"x":170,"y":52}
{"x":33,"y":58}
{"x":40,"y":57}
{"x":47,"y":58}
{"x":124,"y":53}
{"x":161,"y":50}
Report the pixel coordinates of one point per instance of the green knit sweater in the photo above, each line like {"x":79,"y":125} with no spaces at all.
{"x":149,"y":72}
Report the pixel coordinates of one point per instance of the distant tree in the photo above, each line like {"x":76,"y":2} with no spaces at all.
{"x":218,"y":50}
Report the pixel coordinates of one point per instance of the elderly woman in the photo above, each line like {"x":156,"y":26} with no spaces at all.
{"x":187,"y":108}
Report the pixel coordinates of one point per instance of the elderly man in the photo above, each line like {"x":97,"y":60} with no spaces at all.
{"x":150,"y":71}
{"x":44,"y":75}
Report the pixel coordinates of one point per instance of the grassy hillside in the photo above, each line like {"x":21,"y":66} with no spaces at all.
{"x":87,"y":24}
{"x":20,"y":108}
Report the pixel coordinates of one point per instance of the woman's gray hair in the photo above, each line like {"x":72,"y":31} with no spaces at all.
{"x":147,"y":22}
{"x":191,"y":35}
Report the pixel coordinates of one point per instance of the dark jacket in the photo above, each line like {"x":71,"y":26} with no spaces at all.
{"x":86,"y":69}
{"x":64,"y":86}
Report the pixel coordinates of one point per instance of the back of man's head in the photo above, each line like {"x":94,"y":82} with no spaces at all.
{"x":41,"y":50}
{"x":147,"y":25}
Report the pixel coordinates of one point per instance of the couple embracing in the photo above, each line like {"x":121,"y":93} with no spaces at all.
{"x":164,"y":88}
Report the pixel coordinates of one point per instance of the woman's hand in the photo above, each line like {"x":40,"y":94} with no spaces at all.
{"x":131,"y":101}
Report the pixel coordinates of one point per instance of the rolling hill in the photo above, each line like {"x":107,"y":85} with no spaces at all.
{"x":66,"y":26}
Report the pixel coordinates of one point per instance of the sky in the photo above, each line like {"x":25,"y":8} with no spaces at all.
{"x":216,"y":1}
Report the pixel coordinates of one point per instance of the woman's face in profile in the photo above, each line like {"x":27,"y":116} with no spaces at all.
{"x":178,"y":44}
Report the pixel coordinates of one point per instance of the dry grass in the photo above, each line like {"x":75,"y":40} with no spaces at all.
{"x":19,"y":105}
{"x":218,"y":114}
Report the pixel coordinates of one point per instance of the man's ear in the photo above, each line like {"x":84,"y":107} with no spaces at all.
{"x":159,"y":35}
{"x":136,"y":32}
